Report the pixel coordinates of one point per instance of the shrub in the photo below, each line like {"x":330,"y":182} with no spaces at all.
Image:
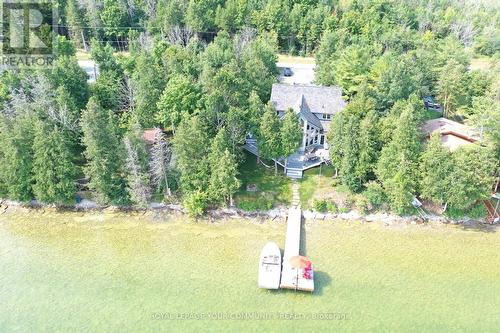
{"x":344,"y":209}
{"x":320,"y":206}
{"x":336,"y":182}
{"x":478,"y":211}
{"x":363,"y":204}
{"x":375,"y":194}
{"x":195,"y":203}
{"x":331,"y":207}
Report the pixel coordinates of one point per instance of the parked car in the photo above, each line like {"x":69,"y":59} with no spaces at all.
{"x":287,"y":71}
{"x":430,"y":103}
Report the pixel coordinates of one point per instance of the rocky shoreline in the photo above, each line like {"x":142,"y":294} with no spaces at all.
{"x":235,"y":213}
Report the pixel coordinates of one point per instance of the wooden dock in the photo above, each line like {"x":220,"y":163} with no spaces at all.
{"x":291,"y":277}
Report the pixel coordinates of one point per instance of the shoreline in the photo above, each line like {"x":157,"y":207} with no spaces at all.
{"x":220,"y":214}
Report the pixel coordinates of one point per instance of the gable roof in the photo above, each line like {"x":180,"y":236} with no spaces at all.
{"x":453,"y":134}
{"x":318,"y":99}
{"x":302,"y":109}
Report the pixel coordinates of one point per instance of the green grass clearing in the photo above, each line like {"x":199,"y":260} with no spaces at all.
{"x":272,"y":190}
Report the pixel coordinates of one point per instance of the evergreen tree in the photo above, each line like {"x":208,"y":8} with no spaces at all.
{"x":450,"y":87}
{"x":291,"y":134}
{"x":269,"y":142}
{"x":436,"y":166}
{"x":472,"y":176}
{"x":369,"y":146}
{"x":350,"y":158}
{"x":67,"y":73}
{"x":255,"y":111}
{"x":149,"y":85}
{"x":219,"y":144}
{"x":223,"y":180}
{"x":335,"y":136}
{"x":16,"y":153}
{"x":75,"y":20}
{"x":191,"y":147}
{"x":104,"y":153}
{"x":54,"y":170}
{"x":397,"y":167}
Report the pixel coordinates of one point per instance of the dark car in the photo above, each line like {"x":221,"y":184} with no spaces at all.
{"x":287,"y":71}
{"x":430,"y":103}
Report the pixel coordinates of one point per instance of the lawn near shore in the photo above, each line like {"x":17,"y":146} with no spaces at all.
{"x":108,"y":272}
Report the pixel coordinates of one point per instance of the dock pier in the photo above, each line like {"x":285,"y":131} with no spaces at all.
{"x":291,"y":277}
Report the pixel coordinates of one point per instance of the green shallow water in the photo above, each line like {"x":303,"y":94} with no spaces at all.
{"x":100,"y":272}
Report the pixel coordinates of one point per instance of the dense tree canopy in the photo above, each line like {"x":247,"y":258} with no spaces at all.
{"x":202,"y":71}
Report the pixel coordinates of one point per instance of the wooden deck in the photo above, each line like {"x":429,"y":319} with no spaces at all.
{"x":291,"y":277}
{"x":295,"y":165}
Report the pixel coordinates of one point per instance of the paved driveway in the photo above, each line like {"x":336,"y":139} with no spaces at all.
{"x":302,"y":73}
{"x":90,"y":67}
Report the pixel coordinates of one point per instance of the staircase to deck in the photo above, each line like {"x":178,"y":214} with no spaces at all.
{"x":294,"y":173}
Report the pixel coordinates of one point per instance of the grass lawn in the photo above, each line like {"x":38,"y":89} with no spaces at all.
{"x":315,"y":185}
{"x":272,"y":190}
{"x":432,"y":114}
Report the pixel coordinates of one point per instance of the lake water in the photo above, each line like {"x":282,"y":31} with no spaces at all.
{"x":104,"y":272}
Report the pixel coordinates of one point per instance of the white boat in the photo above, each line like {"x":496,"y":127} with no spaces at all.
{"x":270,"y":266}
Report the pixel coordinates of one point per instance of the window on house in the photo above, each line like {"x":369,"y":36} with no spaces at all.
{"x":327,"y":116}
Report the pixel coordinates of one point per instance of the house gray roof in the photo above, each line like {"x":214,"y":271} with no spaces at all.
{"x":302,"y":109}
{"x":317,"y":98}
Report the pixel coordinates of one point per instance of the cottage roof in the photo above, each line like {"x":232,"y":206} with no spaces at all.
{"x":318,"y":99}
{"x":302,"y":109}
{"x":453,"y":134}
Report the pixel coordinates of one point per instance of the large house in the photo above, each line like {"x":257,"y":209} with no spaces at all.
{"x":315,"y":106}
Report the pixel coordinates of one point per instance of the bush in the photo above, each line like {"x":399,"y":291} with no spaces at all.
{"x":195,"y":203}
{"x":331,"y":207}
{"x":336,"y":182}
{"x":478,"y":211}
{"x":363,"y":204}
{"x":344,"y":209}
{"x":375,"y":194}
{"x":320,"y":206}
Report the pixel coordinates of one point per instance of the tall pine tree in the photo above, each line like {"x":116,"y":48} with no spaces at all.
{"x":104,"y":153}
{"x":54,"y":170}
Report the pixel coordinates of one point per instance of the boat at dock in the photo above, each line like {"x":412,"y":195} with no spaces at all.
{"x":270,"y":266}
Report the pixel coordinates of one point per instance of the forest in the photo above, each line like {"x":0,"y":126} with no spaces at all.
{"x":202,"y":71}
